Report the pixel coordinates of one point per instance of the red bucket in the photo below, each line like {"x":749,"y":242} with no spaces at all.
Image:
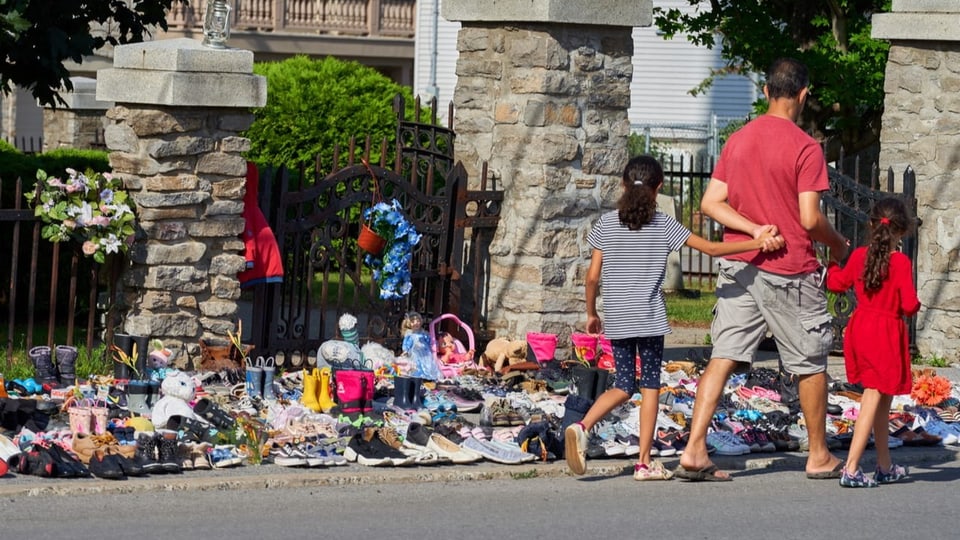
{"x":370,"y":241}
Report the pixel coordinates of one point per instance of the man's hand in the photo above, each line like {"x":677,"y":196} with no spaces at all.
{"x":768,"y":234}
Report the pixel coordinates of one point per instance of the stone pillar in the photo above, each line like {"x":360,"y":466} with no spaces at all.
{"x":80,"y":123}
{"x":174,"y":140}
{"x":543,"y":88}
{"x":921,"y":129}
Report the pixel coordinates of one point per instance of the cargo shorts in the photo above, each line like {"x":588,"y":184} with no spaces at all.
{"x":792,"y":307}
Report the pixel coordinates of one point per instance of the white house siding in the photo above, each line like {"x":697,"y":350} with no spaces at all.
{"x":664,"y":72}
{"x":446,"y":73}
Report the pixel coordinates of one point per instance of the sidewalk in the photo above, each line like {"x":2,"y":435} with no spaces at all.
{"x":683,"y":344}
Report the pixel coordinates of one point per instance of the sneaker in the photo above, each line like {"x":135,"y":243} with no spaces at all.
{"x":895,"y":474}
{"x":654,"y":471}
{"x":289,"y":455}
{"x":367,"y":448}
{"x":497,"y":454}
{"x":575,"y":448}
{"x":224,"y":455}
{"x":858,"y":480}
{"x":444,"y":447}
{"x":727,"y":444}
{"x":664,"y":448}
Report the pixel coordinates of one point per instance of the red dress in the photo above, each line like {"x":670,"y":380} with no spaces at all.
{"x":876,"y":342}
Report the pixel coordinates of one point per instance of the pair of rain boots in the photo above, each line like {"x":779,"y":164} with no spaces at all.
{"x":63,"y":372}
{"x":407,"y":393}
{"x":318,"y":390}
{"x":259,"y":378}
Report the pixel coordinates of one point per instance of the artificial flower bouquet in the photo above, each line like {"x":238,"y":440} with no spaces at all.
{"x":91,"y":208}
{"x":391,"y":268}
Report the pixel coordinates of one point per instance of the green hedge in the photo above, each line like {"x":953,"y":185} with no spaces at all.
{"x":313,"y":105}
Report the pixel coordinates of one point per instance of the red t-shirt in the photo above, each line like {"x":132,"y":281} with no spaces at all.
{"x":766,"y":165}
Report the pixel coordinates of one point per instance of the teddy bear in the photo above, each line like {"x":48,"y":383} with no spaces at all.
{"x":179,"y":390}
{"x":502,"y":352}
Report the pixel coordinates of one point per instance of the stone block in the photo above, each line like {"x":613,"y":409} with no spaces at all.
{"x":182,"y":54}
{"x":591,"y":12}
{"x":182,"y":89}
{"x":916,"y":26}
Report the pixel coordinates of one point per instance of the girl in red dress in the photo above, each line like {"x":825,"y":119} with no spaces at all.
{"x":876,"y":344}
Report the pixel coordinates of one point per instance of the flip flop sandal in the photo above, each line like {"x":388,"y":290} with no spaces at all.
{"x":707,"y":474}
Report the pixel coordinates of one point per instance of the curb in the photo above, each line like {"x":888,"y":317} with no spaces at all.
{"x":276,"y":477}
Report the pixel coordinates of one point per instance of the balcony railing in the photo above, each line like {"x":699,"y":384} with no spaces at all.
{"x":387,"y":18}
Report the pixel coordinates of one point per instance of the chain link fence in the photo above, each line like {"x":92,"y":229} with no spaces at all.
{"x":700,"y":141}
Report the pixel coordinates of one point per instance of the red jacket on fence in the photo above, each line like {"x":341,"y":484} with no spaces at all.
{"x":264,"y":264}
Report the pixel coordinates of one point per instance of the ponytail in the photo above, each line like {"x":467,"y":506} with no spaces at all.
{"x":638,"y":204}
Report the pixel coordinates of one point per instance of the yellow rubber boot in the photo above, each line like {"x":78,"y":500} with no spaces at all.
{"x":324,"y":392}
{"x":310,"y":383}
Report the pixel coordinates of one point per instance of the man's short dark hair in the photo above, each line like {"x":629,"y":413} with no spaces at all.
{"x":786,"y":78}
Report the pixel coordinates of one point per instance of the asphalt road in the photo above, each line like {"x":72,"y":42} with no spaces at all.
{"x":759,"y":504}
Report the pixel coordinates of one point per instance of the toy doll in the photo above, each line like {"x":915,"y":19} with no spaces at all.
{"x":416,"y":347}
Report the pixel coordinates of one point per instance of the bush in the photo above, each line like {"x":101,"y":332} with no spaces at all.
{"x":314,"y":104}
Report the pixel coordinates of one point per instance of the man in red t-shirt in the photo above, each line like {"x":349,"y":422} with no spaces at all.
{"x":770,"y":171}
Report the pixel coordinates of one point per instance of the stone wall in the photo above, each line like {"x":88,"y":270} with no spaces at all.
{"x":546,"y":106}
{"x":182,"y":285}
{"x":921,"y":129}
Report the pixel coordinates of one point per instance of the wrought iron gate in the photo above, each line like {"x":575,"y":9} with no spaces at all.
{"x":316,"y":220}
{"x":848,"y":205}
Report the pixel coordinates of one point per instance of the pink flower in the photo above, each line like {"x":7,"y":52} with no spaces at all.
{"x":89,"y":248}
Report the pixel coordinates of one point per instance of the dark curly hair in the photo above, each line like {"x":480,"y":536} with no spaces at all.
{"x":638,"y":204}
{"x":889,"y":220}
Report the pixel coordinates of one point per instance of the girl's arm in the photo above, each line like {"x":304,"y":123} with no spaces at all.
{"x":593,"y":288}
{"x":909,"y":302}
{"x":716,"y":249}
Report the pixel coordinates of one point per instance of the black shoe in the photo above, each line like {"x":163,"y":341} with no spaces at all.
{"x":68,"y":466}
{"x":167,"y":450}
{"x":366,"y":448}
{"x":418,"y":434}
{"x":192,"y":430}
{"x":104,"y":465}
{"x":147,"y":453}
{"x":131,"y":466}
{"x":212,"y":413}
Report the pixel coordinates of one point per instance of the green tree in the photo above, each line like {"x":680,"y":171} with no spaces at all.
{"x":832,"y":37}
{"x":314,"y":104}
{"x":37,"y":36}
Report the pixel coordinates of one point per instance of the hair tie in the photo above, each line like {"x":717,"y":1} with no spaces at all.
{"x":884,"y":221}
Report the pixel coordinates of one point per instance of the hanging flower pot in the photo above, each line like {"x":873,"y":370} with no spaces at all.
{"x":370,"y":241}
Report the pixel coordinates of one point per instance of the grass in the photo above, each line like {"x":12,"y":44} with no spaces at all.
{"x":532,"y":473}
{"x":94,"y":363}
{"x":690,"y":307}
{"x":933,"y":360}
{"x":334,"y":284}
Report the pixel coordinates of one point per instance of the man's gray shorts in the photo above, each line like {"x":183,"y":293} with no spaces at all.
{"x":793,"y":308}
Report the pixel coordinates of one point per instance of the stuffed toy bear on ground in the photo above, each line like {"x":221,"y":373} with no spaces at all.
{"x":502,"y":352}
{"x":179,"y":390}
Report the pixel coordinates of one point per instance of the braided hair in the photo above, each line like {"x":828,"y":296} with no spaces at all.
{"x":638,"y":204}
{"x":889,"y":220}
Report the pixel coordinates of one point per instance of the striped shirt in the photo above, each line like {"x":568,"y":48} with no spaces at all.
{"x":634,"y":265}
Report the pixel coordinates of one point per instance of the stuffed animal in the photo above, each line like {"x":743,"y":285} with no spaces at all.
{"x":501,"y":352}
{"x":179,"y":390}
{"x":378,"y":355}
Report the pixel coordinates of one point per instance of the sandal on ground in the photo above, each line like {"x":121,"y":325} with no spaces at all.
{"x":706,"y":474}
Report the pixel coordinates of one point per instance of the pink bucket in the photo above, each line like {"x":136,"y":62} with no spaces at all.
{"x":605,"y":345}
{"x":584,"y":346}
{"x":543,"y":346}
